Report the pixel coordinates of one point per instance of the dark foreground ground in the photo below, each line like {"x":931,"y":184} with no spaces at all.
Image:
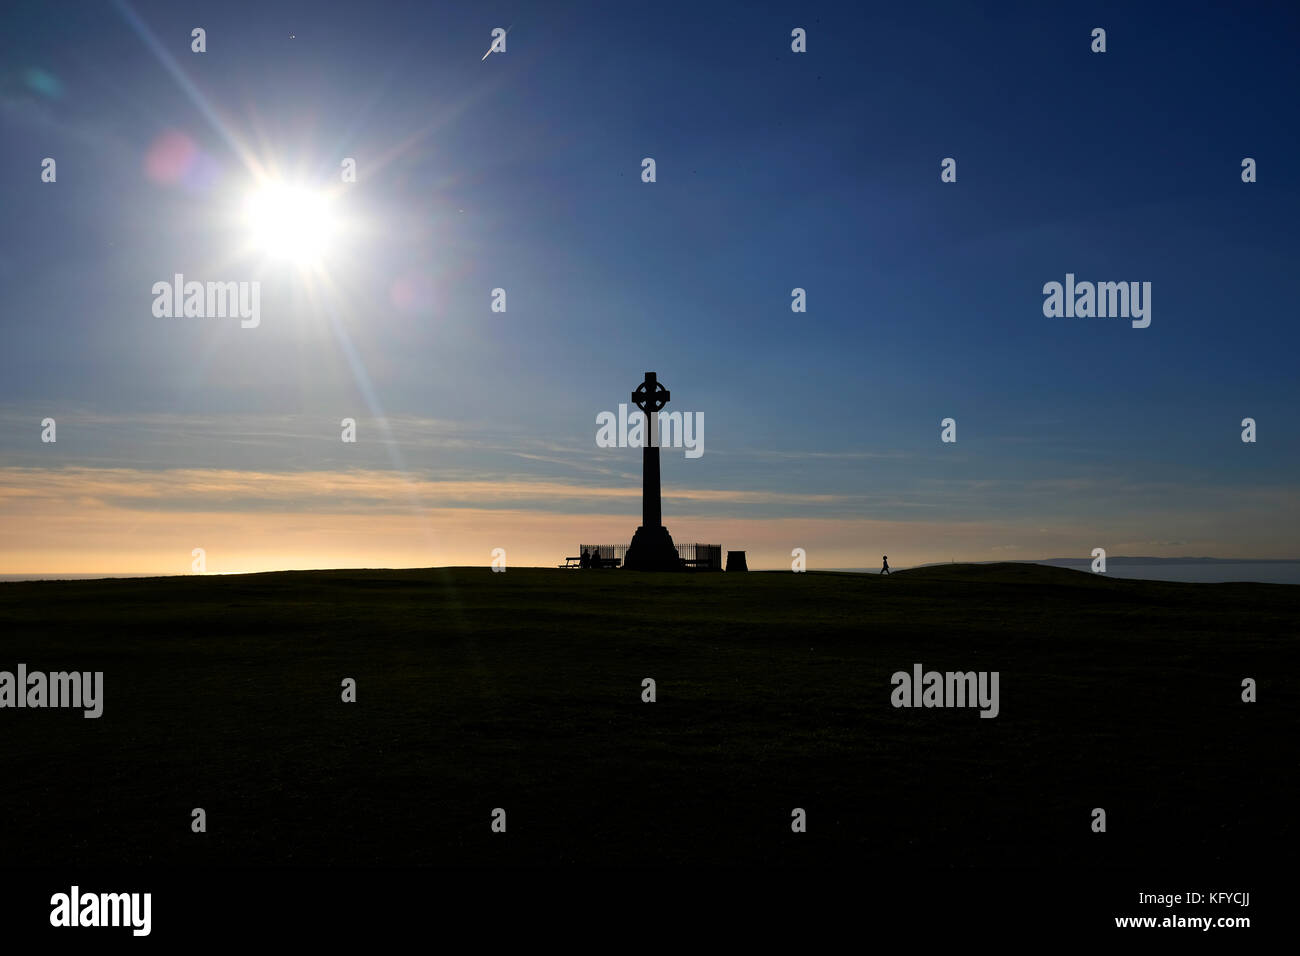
{"x":522,"y":690}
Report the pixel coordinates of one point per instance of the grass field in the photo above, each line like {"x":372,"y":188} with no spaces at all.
{"x":522,"y":690}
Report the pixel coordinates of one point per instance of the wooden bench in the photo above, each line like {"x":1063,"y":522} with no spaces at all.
{"x":597,"y":562}
{"x":697,"y":564}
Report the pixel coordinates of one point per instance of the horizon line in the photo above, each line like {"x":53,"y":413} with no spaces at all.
{"x":29,"y":576}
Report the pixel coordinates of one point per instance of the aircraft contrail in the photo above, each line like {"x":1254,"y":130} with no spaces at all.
{"x":489,"y":52}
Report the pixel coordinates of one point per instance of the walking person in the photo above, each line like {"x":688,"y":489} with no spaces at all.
{"x":885,"y":569}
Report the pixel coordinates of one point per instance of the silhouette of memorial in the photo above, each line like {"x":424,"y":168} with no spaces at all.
{"x":652,"y":546}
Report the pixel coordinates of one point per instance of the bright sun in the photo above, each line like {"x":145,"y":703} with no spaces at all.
{"x":290,"y":222}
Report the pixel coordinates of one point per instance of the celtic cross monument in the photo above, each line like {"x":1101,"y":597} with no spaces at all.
{"x":652,"y":546}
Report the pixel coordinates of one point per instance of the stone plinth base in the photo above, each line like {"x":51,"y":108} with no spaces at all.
{"x":652,"y":550}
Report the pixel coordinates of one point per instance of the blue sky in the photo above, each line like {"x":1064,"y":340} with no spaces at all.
{"x":775,"y":170}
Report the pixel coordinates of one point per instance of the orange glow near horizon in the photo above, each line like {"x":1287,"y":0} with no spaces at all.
{"x":119,"y":521}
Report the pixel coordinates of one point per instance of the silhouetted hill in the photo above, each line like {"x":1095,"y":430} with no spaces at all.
{"x":523,"y":690}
